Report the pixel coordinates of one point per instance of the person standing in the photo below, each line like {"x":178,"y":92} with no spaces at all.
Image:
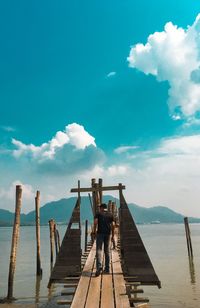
{"x":104,"y":223}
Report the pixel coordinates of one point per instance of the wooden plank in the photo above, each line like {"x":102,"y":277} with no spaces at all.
{"x":121,"y":298}
{"x":82,"y":288}
{"x":107,"y":296}
{"x":104,"y":188}
{"x":139,"y":300}
{"x":70,"y":285}
{"x":64,"y":302}
{"x":67,"y":292}
{"x":94,"y":291}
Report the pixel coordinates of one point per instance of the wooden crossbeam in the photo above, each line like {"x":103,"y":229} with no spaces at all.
{"x":97,"y":188}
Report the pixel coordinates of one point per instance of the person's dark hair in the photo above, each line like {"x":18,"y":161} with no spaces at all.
{"x":104,"y":206}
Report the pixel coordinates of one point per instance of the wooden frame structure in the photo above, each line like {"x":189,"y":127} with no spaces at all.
{"x":136,"y":264}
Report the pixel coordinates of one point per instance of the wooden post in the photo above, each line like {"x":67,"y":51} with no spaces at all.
{"x":55,"y":238}
{"x":15,"y":239}
{"x":86,"y":233}
{"x":51,"y":229}
{"x":91,"y":204}
{"x":97,"y":200}
{"x":110,"y":206}
{"x":93,"y":196}
{"x":37,"y":289}
{"x":37,"y":223}
{"x":100,"y":191}
{"x":79,"y":194}
{"x":188,"y":237}
{"x":58,"y":238}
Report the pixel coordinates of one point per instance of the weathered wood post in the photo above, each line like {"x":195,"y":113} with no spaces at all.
{"x":86,"y":233}
{"x":37,"y":289}
{"x":110,"y":206}
{"x":51,"y":230}
{"x":55,"y":238}
{"x":58,"y":238}
{"x":15,"y":239}
{"x":100,"y":191}
{"x":37,"y":223}
{"x":188,"y":237}
{"x":92,"y":208}
{"x":93,"y":196}
{"x":97,"y":200}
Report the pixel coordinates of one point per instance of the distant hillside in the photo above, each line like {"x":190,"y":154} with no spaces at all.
{"x":157,"y":213}
{"x":61,"y":211}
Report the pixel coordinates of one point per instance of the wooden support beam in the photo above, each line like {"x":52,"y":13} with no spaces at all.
{"x":15,"y":240}
{"x":37,"y":224}
{"x":51,"y":230}
{"x":86,"y":234}
{"x":103,"y":188}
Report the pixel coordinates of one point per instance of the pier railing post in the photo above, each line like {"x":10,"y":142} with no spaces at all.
{"x":51,"y":229}
{"x":56,"y":238}
{"x":37,"y":224}
{"x":86,"y":233}
{"x":15,"y":239}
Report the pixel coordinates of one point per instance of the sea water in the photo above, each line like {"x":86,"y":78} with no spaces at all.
{"x":165,"y":244}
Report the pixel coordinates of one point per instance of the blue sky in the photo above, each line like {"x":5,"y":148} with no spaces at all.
{"x":73,"y":106}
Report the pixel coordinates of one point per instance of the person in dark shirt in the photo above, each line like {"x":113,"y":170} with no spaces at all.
{"x":105,"y":230}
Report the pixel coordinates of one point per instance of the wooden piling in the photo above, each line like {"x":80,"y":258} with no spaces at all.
{"x":188,"y":237}
{"x":51,"y":230}
{"x":37,"y":223}
{"x":55,"y":238}
{"x":86,"y":233}
{"x":15,"y":239}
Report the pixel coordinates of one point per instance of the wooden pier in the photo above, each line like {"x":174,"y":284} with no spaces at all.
{"x":130,"y":264}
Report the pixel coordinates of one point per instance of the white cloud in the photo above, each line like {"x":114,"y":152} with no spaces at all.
{"x":74,"y":134}
{"x":181,"y":145}
{"x":79,"y":137}
{"x":111,"y":74}
{"x":173,"y":55}
{"x":167,"y":175}
{"x":8,"y":128}
{"x":116,"y":170}
{"x":123,"y":149}
{"x":68,"y":151}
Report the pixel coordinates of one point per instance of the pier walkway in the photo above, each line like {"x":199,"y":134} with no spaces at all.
{"x":106,"y":290}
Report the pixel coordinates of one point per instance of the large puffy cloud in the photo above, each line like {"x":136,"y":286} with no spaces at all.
{"x":74,"y":134}
{"x":68,"y":151}
{"x":173,"y":55}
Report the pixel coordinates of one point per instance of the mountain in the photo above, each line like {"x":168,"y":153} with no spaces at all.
{"x":61,"y":211}
{"x":157,"y":214}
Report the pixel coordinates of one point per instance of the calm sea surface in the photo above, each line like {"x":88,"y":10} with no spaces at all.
{"x":166,"y":245}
